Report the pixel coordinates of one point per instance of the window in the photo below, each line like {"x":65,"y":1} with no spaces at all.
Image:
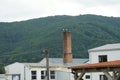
{"x":103,"y":58}
{"x":33,"y":75}
{"x":43,"y":74}
{"x":16,"y":77}
{"x":52,"y":74}
{"x":103,"y":77}
{"x":87,"y":76}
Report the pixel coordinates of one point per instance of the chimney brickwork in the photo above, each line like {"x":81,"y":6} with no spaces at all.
{"x":67,"y":49}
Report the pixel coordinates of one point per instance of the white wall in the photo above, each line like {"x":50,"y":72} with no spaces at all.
{"x":111,"y":55}
{"x":25,"y":72}
{"x":38,"y":72}
{"x":15,"y":68}
{"x":2,"y":76}
{"x":64,"y":75}
{"x":60,"y":73}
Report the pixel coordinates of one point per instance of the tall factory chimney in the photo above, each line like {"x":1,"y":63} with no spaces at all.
{"x":67,"y":49}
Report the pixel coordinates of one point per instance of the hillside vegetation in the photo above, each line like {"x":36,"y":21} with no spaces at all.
{"x":25,"y":41}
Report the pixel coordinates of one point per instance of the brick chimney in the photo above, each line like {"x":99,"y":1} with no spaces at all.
{"x":67,"y":49}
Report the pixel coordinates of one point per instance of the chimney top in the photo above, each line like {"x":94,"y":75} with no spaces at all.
{"x":66,"y":30}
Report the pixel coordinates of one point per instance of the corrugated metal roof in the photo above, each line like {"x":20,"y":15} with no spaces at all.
{"x":57,"y":62}
{"x":106,"y":47}
{"x":115,"y":63}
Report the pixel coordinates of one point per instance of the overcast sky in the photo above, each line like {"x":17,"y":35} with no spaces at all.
{"x":17,"y":10}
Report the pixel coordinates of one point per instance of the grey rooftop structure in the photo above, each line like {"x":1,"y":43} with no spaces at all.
{"x":57,"y":62}
{"x":106,"y":47}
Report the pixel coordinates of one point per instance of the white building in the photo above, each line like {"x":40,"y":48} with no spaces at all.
{"x":58,"y":67}
{"x":108,"y":52}
{"x":37,"y":71}
{"x":104,"y":64}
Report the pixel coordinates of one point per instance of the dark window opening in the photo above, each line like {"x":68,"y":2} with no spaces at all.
{"x":52,"y":74}
{"x":103,"y":77}
{"x":33,"y":75}
{"x":42,"y":77}
{"x":33,"y":72}
{"x":103,"y":58}
{"x":43,"y":74}
{"x":87,"y":76}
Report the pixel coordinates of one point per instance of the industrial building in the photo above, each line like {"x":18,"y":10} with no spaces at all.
{"x":58,"y":67}
{"x":103,"y":64}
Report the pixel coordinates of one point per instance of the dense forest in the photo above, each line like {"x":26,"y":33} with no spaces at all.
{"x":25,"y":41}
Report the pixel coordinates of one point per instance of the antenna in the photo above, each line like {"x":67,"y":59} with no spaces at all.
{"x":65,"y":29}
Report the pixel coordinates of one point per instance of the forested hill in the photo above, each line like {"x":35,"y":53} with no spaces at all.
{"x":25,"y":41}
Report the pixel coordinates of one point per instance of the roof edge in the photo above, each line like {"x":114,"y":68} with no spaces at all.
{"x":103,"y":50}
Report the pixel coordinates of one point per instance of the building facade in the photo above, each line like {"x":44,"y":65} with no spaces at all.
{"x":58,"y":67}
{"x":108,"y":52}
{"x":37,"y":71}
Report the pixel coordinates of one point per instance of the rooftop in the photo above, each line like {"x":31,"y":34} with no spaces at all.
{"x":58,"y":62}
{"x":115,"y":63}
{"x":106,"y":47}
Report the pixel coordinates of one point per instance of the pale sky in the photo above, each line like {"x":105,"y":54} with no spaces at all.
{"x":17,"y":10}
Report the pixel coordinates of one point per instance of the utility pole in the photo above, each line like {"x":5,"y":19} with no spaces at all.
{"x":47,"y":63}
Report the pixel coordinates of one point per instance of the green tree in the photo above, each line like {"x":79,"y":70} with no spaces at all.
{"x":2,"y":70}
